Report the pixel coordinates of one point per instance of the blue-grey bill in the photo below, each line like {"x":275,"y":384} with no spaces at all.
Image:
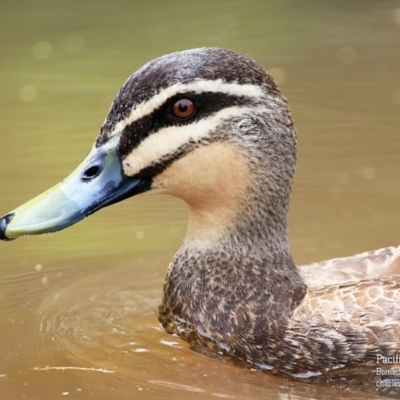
{"x":97,"y":182}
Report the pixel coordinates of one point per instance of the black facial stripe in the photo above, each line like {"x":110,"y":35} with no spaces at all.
{"x":207,"y":103}
{"x":164,"y":162}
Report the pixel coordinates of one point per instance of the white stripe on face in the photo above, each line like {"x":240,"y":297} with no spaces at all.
{"x":201,"y":86}
{"x":168,"y":140}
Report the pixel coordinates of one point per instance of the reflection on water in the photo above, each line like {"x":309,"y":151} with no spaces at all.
{"x":78,"y":310}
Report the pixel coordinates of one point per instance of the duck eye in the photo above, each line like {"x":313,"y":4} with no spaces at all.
{"x":183,"y":109}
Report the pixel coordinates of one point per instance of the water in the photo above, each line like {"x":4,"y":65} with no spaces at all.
{"x":78,"y":309}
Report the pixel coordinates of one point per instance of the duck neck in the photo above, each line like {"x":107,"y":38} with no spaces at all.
{"x":249,"y":232}
{"x":245,"y":268}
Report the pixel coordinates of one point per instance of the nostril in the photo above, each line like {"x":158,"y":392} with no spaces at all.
{"x":91,"y":172}
{"x":3,"y":226}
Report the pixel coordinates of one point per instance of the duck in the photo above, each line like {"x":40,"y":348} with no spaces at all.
{"x":211,"y":127}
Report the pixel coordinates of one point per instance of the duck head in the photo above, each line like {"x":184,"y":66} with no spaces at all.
{"x":207,"y":125}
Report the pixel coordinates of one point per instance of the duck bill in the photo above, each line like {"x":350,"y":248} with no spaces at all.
{"x":97,"y":182}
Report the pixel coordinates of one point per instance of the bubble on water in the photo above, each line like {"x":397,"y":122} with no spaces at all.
{"x":368,"y":173}
{"x":42,"y":50}
{"x":139,"y":235}
{"x":28,"y":93}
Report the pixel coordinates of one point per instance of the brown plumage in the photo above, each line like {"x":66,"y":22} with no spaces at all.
{"x":233,"y":286}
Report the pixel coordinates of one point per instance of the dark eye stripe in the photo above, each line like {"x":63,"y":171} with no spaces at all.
{"x":164,"y":162}
{"x":207,"y":104}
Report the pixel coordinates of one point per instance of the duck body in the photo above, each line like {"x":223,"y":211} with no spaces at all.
{"x":274,"y":322}
{"x":211,"y":127}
